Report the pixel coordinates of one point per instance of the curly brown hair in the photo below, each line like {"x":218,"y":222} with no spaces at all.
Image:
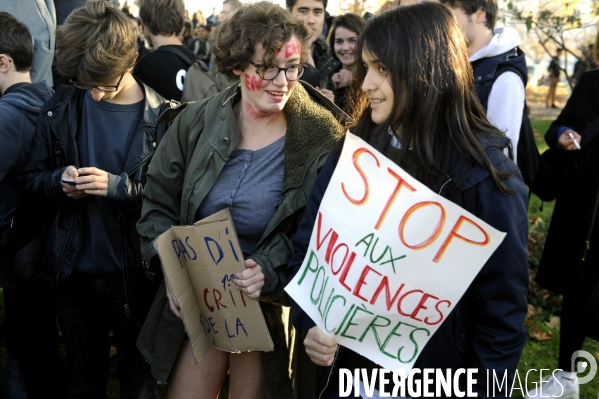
{"x":96,"y":44}
{"x":261,"y":22}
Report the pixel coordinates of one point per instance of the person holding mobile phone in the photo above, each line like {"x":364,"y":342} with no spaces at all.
{"x":93,"y":171}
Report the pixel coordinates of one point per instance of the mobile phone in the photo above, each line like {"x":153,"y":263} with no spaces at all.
{"x":68,"y":181}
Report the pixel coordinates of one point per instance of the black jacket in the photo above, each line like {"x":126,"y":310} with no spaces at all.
{"x":572,"y":240}
{"x":325,"y":65}
{"x":54,"y":148}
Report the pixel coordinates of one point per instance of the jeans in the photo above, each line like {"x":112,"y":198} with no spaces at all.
{"x":88,"y":307}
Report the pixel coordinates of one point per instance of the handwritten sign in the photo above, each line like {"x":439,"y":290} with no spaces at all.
{"x":200,"y":263}
{"x":388,"y":258}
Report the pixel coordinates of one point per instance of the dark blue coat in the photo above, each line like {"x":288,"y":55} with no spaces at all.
{"x":19,"y":108}
{"x":486,"y":328}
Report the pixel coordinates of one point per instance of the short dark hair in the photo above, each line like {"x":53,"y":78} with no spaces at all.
{"x":472,"y":6}
{"x":262,"y":22}
{"x":16,"y":42}
{"x":206,"y":27}
{"x":162,"y":17}
{"x":291,"y":3}
{"x":351,"y":22}
{"x":109,"y":47}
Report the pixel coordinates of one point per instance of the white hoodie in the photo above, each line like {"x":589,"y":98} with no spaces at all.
{"x":506,"y":99}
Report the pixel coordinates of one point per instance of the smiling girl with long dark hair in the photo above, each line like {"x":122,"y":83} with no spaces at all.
{"x":421,"y":111}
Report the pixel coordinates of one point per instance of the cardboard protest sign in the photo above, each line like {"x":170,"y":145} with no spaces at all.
{"x":200,"y":263}
{"x":388,"y":258}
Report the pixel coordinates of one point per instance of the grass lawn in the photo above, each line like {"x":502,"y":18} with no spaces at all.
{"x":537,"y":354}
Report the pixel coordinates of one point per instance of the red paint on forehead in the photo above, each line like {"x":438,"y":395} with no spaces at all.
{"x":292,"y":48}
{"x":253,"y":82}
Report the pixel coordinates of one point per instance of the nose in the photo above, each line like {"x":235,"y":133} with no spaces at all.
{"x":310,"y":18}
{"x":369,"y":83}
{"x":281,"y":79}
{"x":97,"y":95}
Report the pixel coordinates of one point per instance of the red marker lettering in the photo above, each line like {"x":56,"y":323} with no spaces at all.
{"x":346,"y":271}
{"x":441,"y":317}
{"x":361,"y":282}
{"x":217,"y":300}
{"x":401,"y":300}
{"x":362,"y":201}
{"x":400,"y":183}
{"x":433,"y":236}
{"x":210,"y":308}
{"x":421,"y":306}
{"x":388,"y":300}
{"x":454,"y":233}
{"x":319,"y":241}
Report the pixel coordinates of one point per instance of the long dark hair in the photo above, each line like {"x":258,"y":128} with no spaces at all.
{"x":351,"y":22}
{"x":436,"y":112}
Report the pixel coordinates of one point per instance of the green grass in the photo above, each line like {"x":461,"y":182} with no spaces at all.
{"x":540,"y":127}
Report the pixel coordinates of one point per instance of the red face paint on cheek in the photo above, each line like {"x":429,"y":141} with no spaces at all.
{"x":292,"y":48}
{"x":253,"y":83}
{"x":253,"y":113}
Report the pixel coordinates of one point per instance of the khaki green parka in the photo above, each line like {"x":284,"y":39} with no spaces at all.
{"x":182,"y":172}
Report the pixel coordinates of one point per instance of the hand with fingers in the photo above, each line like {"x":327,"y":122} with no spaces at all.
{"x":342,"y":78}
{"x":251,"y":280}
{"x":92,"y":181}
{"x":567,"y":140}
{"x":69,"y":177}
{"x":320,"y":347}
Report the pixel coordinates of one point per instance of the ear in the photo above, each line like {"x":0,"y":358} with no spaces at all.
{"x":134,"y":61}
{"x":237,"y":72}
{"x":480,"y":16}
{"x":4,"y":63}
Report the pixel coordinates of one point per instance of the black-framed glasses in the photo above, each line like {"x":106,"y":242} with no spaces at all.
{"x":101,"y":88}
{"x":292,"y":72}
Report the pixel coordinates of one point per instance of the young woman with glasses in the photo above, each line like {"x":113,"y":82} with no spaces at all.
{"x":256,"y":148}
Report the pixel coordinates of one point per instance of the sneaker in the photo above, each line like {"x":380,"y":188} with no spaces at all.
{"x":552,"y":388}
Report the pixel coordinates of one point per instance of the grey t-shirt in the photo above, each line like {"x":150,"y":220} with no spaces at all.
{"x":251,"y":185}
{"x":104,"y":141}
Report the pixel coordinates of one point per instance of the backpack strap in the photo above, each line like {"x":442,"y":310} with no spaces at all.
{"x":178,"y":53}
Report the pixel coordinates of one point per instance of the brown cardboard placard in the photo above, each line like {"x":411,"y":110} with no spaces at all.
{"x":200,"y":263}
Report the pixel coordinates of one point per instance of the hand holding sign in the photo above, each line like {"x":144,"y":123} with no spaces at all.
{"x":320,"y":347}
{"x":201,"y":266}
{"x":387,"y":262}
{"x":251,"y":280}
